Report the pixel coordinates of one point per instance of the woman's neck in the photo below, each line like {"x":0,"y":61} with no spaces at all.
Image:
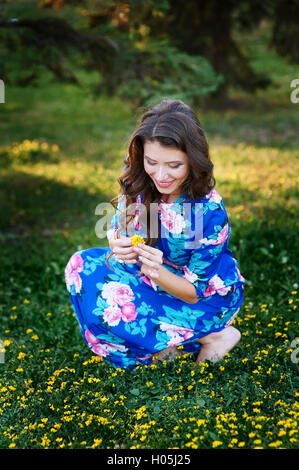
{"x":170,"y":197}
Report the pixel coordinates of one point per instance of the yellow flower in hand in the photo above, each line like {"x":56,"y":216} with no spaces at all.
{"x":137,"y":239}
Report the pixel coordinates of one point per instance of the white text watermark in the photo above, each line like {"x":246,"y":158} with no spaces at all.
{"x":294,"y":94}
{"x":2,"y":352}
{"x":178,"y":221}
{"x":2,"y":91}
{"x":295,"y":352}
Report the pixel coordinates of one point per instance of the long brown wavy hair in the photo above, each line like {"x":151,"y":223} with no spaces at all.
{"x":173,"y":124}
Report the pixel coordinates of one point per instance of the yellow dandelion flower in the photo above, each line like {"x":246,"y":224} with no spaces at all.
{"x":21,"y":355}
{"x":275,"y":444}
{"x":216,"y":444}
{"x":137,"y":239}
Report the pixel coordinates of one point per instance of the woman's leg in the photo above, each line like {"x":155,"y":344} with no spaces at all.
{"x":215,"y":345}
{"x":169,"y":354}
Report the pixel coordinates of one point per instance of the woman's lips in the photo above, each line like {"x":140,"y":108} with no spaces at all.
{"x":164,"y":185}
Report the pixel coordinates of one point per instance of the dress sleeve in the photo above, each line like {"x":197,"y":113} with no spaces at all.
{"x":206,"y":260}
{"x":114,"y":224}
{"x":121,"y":206}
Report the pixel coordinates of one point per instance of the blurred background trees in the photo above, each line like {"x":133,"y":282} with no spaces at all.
{"x":142,"y":50}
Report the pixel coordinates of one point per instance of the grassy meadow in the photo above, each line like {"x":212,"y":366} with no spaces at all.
{"x":61,"y":152}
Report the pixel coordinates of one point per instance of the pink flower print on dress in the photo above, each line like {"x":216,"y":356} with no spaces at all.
{"x":72,"y":270}
{"x":216,"y":284}
{"x":135,"y":221}
{"x":173,"y":221}
{"x":102,"y":348}
{"x":221,"y":237}
{"x":177,"y":334}
{"x":189,"y":275}
{"x":117,"y":293}
{"x":213,"y":196}
{"x":112,"y":315}
{"x":90,"y":338}
{"x":128,"y":312}
{"x":120,"y":307}
{"x":95,"y":344}
{"x":149,"y":281}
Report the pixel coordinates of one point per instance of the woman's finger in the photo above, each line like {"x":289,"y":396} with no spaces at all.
{"x":155,"y":257}
{"x":154,"y":251}
{"x":125,"y":260}
{"x":125,"y":256}
{"x":146,"y":261}
{"x":123,"y":242}
{"x":149,"y":249}
{"x":122,"y":250}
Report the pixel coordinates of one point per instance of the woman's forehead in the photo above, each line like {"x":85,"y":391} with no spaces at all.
{"x":156,"y":151}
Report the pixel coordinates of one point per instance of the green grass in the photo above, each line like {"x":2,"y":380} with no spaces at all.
{"x":54,"y":392}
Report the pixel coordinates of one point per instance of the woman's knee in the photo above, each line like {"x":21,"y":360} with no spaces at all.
{"x":229,"y":334}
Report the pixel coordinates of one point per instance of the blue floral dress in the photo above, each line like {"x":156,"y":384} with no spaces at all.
{"x":127,"y":319}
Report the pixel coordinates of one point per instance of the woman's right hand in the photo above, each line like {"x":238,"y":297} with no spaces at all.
{"x":123,"y":249}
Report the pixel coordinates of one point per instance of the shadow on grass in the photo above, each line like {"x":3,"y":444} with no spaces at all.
{"x":30,"y":202}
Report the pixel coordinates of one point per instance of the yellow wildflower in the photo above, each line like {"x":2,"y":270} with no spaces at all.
{"x":21,"y":355}
{"x":216,"y":444}
{"x":275,"y":444}
{"x":137,"y":239}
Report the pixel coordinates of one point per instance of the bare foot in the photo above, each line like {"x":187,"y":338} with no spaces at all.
{"x":168,"y":354}
{"x":215,"y":345}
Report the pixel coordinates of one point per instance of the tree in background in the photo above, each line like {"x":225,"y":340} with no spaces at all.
{"x":143,"y":50}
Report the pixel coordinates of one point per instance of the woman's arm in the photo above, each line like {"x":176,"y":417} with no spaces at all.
{"x":172,"y":284}
{"x":176,"y":286}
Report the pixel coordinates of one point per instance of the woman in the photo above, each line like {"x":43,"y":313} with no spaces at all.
{"x":181,"y":285}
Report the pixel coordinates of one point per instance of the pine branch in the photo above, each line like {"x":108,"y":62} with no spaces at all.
{"x":56,"y":31}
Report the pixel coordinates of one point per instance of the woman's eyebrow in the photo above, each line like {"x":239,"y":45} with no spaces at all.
{"x":175,"y":161}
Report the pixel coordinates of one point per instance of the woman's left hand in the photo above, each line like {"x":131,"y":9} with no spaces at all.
{"x":151,"y":258}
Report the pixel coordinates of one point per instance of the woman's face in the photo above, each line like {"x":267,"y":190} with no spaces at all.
{"x":168,"y":167}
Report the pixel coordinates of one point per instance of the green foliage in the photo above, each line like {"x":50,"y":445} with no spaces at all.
{"x":167,"y":71}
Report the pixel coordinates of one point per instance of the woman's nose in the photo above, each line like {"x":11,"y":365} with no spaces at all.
{"x":161,"y":174}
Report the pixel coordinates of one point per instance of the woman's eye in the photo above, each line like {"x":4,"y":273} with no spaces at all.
{"x":173,"y":167}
